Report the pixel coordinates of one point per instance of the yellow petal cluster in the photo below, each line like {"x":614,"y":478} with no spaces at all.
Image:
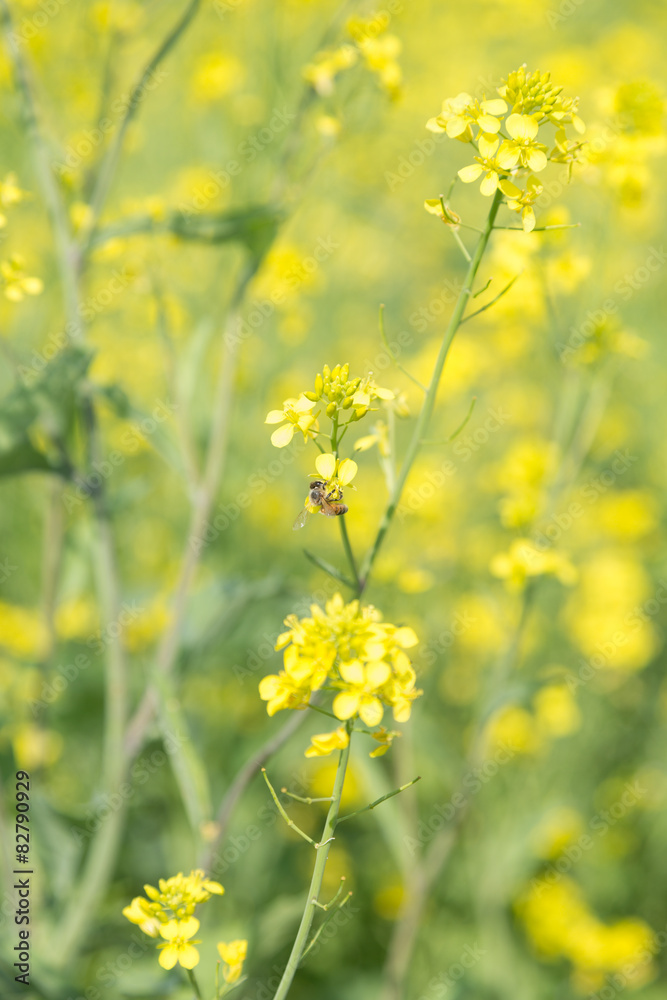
{"x":168,"y":913}
{"x":349,"y":648}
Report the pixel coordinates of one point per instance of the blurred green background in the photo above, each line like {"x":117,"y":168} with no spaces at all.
{"x":551,"y":881}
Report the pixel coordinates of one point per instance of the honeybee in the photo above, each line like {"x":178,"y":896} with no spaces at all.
{"x":329,"y":502}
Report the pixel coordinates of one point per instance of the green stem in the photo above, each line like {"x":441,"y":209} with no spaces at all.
{"x":194,"y":983}
{"x":350,"y":554}
{"x":110,"y":162}
{"x":430,"y":399}
{"x":301,"y":940}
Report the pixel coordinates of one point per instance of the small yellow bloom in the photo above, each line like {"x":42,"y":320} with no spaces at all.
{"x":140,"y":912}
{"x":461,"y":112}
{"x":525,"y":560}
{"x":521,"y":149}
{"x":233,"y":955}
{"x":17,"y":283}
{"x":324,"y":744}
{"x":296,"y":413}
{"x":177,"y":946}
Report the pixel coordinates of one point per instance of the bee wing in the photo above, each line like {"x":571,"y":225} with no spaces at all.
{"x":301,"y":519}
{"x":328,"y":509}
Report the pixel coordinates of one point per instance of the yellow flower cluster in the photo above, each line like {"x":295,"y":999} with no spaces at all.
{"x":339,"y":394}
{"x":509,"y":150}
{"x":525,"y":560}
{"x":349,"y":649}
{"x":168,"y":913}
{"x":378,"y":50}
{"x":560,"y":924}
{"x":16,"y":283}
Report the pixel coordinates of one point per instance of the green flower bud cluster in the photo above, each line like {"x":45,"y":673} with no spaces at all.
{"x":533,"y":93}
{"x":335,"y":387}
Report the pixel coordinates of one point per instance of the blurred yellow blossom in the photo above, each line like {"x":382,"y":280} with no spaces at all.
{"x":233,"y":955}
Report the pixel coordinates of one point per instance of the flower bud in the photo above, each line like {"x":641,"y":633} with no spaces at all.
{"x":326,"y":371}
{"x":319,"y":385}
{"x":331,"y":409}
{"x":312,"y":396}
{"x":347,"y":403}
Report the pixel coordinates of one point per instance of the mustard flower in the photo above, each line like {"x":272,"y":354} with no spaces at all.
{"x":488,"y":165}
{"x":296,"y":413}
{"x":335,"y":473}
{"x":522,"y":201}
{"x":324,"y":744}
{"x":521,"y":149}
{"x":463,"y":111}
{"x":339,"y":392}
{"x":233,"y":955}
{"x":326,"y":66}
{"x":17,"y":283}
{"x":361,"y":657}
{"x":525,"y":560}
{"x":177,"y":946}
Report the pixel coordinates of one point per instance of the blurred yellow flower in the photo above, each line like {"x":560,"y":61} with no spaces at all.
{"x":17,"y":284}
{"x":324,"y":744}
{"x":525,"y":560}
{"x":233,"y":955}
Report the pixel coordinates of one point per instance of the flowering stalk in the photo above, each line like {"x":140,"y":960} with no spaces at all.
{"x":429,"y":402}
{"x":301,"y":940}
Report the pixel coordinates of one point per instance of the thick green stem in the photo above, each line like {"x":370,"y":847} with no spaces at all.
{"x":431,"y":395}
{"x":301,"y":940}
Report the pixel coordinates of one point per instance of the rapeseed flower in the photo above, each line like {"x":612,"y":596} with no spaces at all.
{"x":233,"y":955}
{"x":350,"y":649}
{"x":297,"y":416}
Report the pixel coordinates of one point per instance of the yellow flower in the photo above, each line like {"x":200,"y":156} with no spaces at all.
{"x":523,"y":201}
{"x":521,"y":149}
{"x":326,"y":65}
{"x":361,"y":656}
{"x":324,"y":744}
{"x":17,"y":283}
{"x":380,"y":57}
{"x":525,"y":560}
{"x":385,"y":737}
{"x":360,"y":697}
{"x":177,"y":946}
{"x":140,"y":912}
{"x":296,"y":413}
{"x":10,"y":192}
{"x":461,"y":112}
{"x":233,"y":955}
{"x":534,"y":94}
{"x":490,"y":166}
{"x":336,"y":473}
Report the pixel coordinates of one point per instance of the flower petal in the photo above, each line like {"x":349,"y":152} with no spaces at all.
{"x":371,"y":711}
{"x":188,"y":956}
{"x":489,"y":183}
{"x":283,"y":436}
{"x":488,"y":144}
{"x":470,"y":173}
{"x":352,"y":672}
{"x":345,"y":704}
{"x":347,"y":470}
{"x":326,"y":466}
{"x":537,"y":160}
{"x":521,"y":126}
